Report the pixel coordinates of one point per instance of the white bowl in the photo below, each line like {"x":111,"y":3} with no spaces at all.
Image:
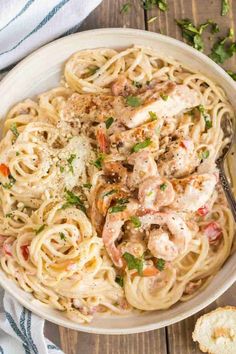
{"x":41,"y":71}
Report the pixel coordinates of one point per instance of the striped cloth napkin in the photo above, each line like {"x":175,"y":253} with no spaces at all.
{"x":24,"y":26}
{"x":28,"y":24}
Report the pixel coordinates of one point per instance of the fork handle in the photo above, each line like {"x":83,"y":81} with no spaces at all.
{"x":228,"y":190}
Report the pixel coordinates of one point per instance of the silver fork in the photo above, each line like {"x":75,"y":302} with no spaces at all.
{"x":229,"y":133}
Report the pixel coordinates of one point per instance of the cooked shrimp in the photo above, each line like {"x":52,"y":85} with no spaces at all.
{"x":167,"y":244}
{"x":115,"y":172}
{"x":121,"y":87}
{"x":155,"y":192}
{"x":144,"y":166}
{"x":135,"y":248}
{"x":112,"y":230}
{"x":179,"y":160}
{"x":193,"y":192}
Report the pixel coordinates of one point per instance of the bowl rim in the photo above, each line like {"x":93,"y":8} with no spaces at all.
{"x":177,"y":317}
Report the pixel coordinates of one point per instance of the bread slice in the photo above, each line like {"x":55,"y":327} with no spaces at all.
{"x":216,"y":331}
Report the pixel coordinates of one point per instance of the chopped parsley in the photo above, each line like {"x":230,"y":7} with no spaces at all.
{"x":40,"y":229}
{"x":11,"y":182}
{"x":119,"y":206}
{"x":62,"y":169}
{"x":72,"y":199}
{"x":163,"y":187}
{"x":225,"y":7}
{"x":133,"y":101}
{"x":93,"y":70}
{"x":70,"y":161}
{"x":87,"y":185}
{"x":164,"y":97}
{"x":152,"y":19}
{"x":14,"y":130}
{"x":137,"y":84}
{"x":161,"y":4}
{"x":109,"y":193}
{"x":152,"y":115}
{"x":160,"y":264}
{"x":9,"y":215}
{"x":204,"y":154}
{"x":136,"y":222}
{"x":208,"y":122}
{"x":232,"y":74}
{"x":17,"y":153}
{"x":141,"y":145}
{"x":223,"y":49}
{"x":62,"y":236}
{"x":133,"y":262}
{"x":119,"y":280}
{"x":214,"y":27}
{"x":109,"y":122}
{"x":125,"y":8}
{"x":98,"y":163}
{"x":193,"y":34}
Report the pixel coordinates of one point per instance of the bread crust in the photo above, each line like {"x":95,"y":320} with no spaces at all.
{"x":204,"y":317}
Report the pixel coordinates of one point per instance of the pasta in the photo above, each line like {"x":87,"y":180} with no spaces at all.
{"x":109,"y":195}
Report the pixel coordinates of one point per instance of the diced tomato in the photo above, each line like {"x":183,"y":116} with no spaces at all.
{"x":213,"y":232}
{"x":4,"y":170}
{"x":187,"y":144}
{"x":203,"y":211}
{"x":102,"y":141}
{"x":25,"y":251}
{"x":7,"y":249}
{"x":148,"y":272}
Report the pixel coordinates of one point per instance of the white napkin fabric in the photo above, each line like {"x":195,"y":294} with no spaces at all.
{"x":28,"y":24}
{"x":21,"y":332}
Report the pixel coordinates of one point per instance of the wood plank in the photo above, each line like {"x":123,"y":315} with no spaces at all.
{"x":108,"y":15}
{"x":196,"y":11}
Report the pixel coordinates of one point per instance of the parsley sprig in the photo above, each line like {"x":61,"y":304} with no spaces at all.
{"x":223,"y":49}
{"x":141,"y":145}
{"x":133,"y":262}
{"x":73,"y":200}
{"x":193,"y":34}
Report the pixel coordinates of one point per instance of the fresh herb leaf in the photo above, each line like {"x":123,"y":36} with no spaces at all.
{"x":152,"y":19}
{"x":87,"y":185}
{"x":14,"y":130}
{"x":109,"y":193}
{"x":232,"y":74}
{"x":160,"y":264}
{"x":136,"y":222}
{"x":98,"y":163}
{"x":9,"y":215}
{"x":141,"y":145}
{"x":62,"y":236}
{"x":40,"y":229}
{"x":152,"y":116}
{"x":119,"y":280}
{"x":11,"y":182}
{"x":109,"y":122}
{"x":163,"y":187}
{"x":214,"y":26}
{"x":223,"y":49}
{"x":72,"y":199}
{"x":70,"y":161}
{"x":62,"y":169}
{"x":133,"y":101}
{"x":193,"y":34}
{"x":149,"y":4}
{"x":225,"y":7}
{"x":164,"y":97}
{"x":208,"y":122}
{"x":137,"y":84}
{"x":17,"y":153}
{"x":93,"y":70}
{"x":125,"y":8}
{"x":204,"y":154}
{"x":133,"y":262}
{"x":119,"y":206}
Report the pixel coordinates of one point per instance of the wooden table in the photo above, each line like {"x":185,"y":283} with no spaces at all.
{"x":175,"y":339}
